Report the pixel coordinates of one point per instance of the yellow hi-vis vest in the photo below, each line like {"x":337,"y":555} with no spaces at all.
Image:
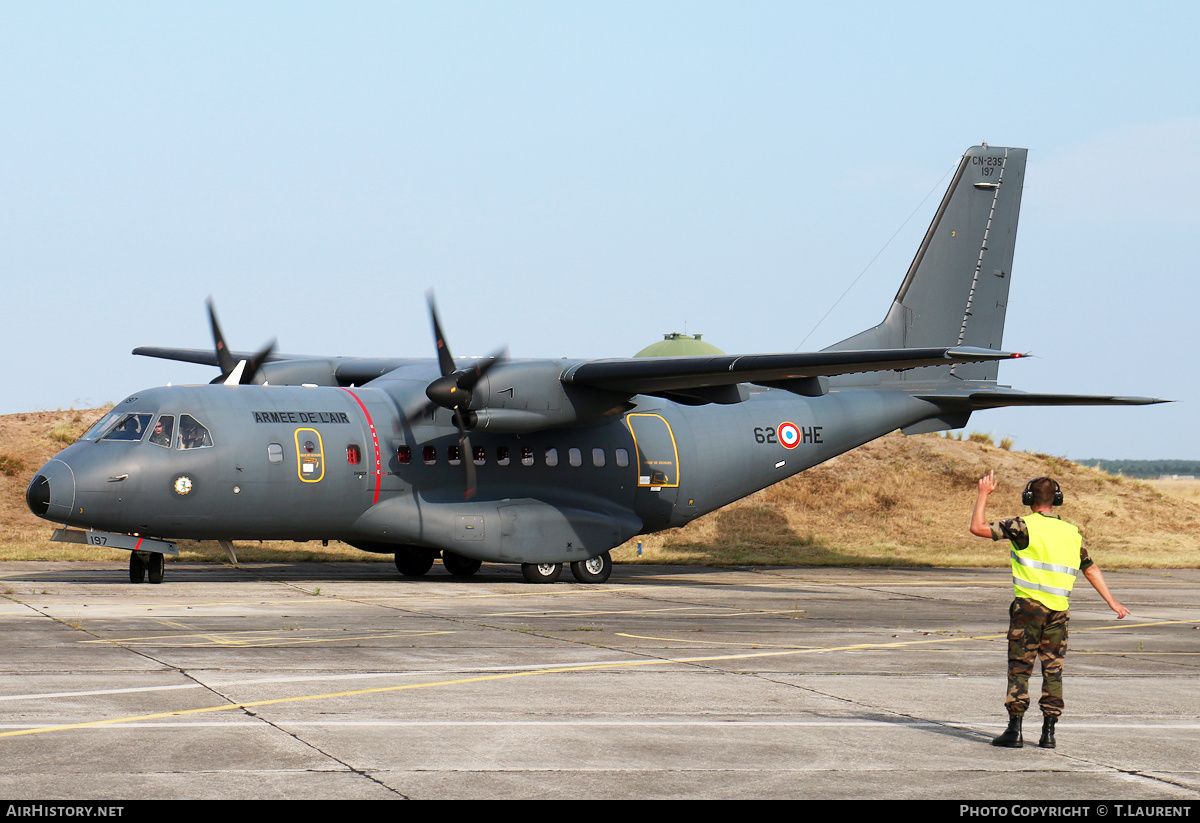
{"x":1046,"y":571}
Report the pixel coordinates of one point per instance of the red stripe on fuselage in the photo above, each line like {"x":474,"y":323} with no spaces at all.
{"x":374,"y":441}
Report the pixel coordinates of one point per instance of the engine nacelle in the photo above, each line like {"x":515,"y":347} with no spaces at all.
{"x":521,"y":397}
{"x":298,"y":373}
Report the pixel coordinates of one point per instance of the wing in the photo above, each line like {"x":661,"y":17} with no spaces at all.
{"x":656,"y":375}
{"x":292,"y":369}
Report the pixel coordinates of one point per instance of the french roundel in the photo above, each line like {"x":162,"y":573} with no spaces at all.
{"x":789,"y":435}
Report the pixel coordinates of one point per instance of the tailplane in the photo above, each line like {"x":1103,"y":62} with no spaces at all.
{"x":955,"y":292}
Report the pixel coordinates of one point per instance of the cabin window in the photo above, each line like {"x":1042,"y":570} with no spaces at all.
{"x":275,"y":453}
{"x":353,"y":455}
{"x":163,"y":429}
{"x":527,"y":455}
{"x":404,"y":455}
{"x":130,"y":427}
{"x":551,"y":457}
{"x":454,"y":456}
{"x":192,"y":433}
{"x":597,"y":457}
{"x":622,"y":456}
{"x":429,"y":455}
{"x":478,"y":455}
{"x":502,"y":456}
{"x":575,"y":457}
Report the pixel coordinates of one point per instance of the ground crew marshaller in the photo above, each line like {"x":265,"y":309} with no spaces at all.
{"x":1047,"y":553}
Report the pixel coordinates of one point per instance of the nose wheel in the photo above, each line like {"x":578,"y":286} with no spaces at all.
{"x":146,"y":564}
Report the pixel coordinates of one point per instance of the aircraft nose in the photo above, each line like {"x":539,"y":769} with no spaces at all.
{"x":51,"y":493}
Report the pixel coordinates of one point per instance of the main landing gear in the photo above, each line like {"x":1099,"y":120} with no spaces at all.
{"x":143,"y":564}
{"x":413,"y":561}
{"x":593,"y":570}
{"x":416,"y":561}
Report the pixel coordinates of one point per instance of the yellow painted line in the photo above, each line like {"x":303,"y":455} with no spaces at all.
{"x":252,"y":637}
{"x":511,"y":675}
{"x":559,"y":614}
{"x":695,"y":610}
{"x":262,"y":643}
{"x":938,"y":639}
{"x":751,"y":644}
{"x":1137,"y":653}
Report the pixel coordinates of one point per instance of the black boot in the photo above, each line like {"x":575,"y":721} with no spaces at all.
{"x":1047,"y":741}
{"x":1011,"y":739}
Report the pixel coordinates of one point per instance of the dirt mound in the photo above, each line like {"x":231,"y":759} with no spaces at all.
{"x":907,"y":501}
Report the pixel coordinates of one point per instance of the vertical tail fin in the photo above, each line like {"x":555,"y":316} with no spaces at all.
{"x":956,"y":290}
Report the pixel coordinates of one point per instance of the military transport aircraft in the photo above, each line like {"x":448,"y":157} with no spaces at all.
{"x":540,"y":462}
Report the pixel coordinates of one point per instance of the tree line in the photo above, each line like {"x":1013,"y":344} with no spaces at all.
{"x":1145,"y":469}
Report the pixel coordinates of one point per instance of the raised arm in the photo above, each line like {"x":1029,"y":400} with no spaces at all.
{"x":979,"y":524}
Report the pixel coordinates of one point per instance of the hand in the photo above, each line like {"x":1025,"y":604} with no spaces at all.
{"x":987,"y":483}
{"x":1119,"y":609}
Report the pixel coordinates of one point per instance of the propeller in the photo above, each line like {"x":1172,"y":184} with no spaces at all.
{"x":234,"y":372}
{"x":453,"y":391}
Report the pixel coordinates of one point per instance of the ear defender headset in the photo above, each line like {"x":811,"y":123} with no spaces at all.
{"x":1027,"y":495}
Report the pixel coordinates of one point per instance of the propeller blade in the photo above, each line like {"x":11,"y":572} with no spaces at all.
{"x":234,"y":372}
{"x":445,"y":360}
{"x":466,"y":454}
{"x":225,"y":360}
{"x":421,"y":411}
{"x":254,"y":365}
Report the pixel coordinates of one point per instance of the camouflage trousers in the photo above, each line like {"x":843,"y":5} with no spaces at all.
{"x":1035,"y":631}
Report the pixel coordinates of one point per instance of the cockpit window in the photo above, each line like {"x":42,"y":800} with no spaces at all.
{"x":192,"y":433}
{"x":164,"y":427}
{"x":130,"y":427}
{"x":101,"y":426}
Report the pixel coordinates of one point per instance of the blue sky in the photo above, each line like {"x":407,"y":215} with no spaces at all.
{"x":575,"y":179}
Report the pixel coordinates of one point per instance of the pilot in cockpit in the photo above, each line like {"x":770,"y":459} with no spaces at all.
{"x":163,"y":428}
{"x":192,"y":434}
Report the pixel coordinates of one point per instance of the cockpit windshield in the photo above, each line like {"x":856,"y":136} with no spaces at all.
{"x":101,"y":426}
{"x":130,"y":426}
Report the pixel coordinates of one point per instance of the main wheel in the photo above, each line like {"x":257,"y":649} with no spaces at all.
{"x":413,"y":561}
{"x":541,"y":572}
{"x":156,"y":567}
{"x":458,"y":565}
{"x":137,"y":568}
{"x":593,"y":570}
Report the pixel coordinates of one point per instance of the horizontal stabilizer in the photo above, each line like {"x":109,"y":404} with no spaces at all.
{"x":1000,"y":399}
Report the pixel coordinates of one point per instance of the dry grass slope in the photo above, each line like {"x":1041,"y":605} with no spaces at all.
{"x":902,"y":501}
{"x":907,"y":501}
